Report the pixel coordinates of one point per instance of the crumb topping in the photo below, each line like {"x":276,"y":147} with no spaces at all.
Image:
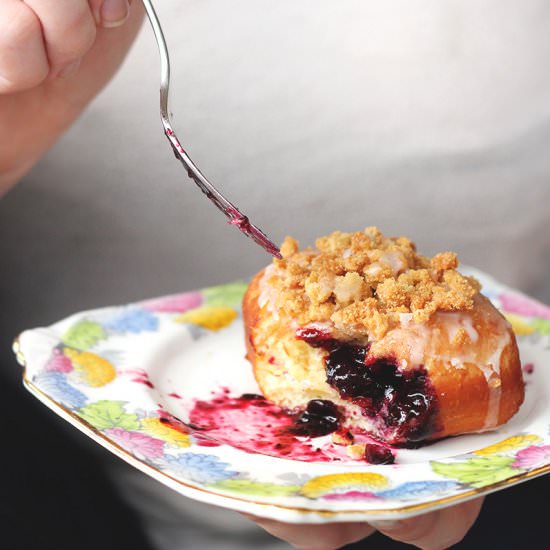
{"x":363,"y":282}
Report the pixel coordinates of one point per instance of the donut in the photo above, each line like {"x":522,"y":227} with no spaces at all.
{"x":404,"y":346}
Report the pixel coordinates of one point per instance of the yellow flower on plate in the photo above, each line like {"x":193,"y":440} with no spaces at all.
{"x":331,"y":483}
{"x":161,"y":430}
{"x":510,"y":444}
{"x":93,"y":370}
{"x":519,"y":326}
{"x":209,"y":317}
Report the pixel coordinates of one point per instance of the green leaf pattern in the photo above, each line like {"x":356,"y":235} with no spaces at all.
{"x":478,"y":472}
{"x":109,"y":414}
{"x":541,"y":325}
{"x":229,"y":295}
{"x":84,"y":335}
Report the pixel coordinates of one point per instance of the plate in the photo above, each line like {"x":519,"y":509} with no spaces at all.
{"x":133,"y":377}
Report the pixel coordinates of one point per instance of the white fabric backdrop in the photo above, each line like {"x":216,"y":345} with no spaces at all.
{"x":428,"y":118}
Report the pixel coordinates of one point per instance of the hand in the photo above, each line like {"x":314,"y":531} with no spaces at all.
{"x":55,"y":55}
{"x":433,"y":531}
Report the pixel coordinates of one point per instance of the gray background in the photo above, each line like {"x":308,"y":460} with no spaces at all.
{"x":427,"y":118}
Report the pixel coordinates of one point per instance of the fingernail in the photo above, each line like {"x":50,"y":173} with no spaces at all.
{"x":114,"y":12}
{"x":69,"y":69}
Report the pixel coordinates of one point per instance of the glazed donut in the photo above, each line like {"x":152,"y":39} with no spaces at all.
{"x":404,"y":346}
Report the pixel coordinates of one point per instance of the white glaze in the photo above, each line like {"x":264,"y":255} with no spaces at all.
{"x":395,"y":260}
{"x":405,"y":318}
{"x":455,"y":321}
{"x":326,"y":285}
{"x":323,"y":326}
{"x":373,"y":269}
{"x":419,"y":338}
{"x":491,"y":371}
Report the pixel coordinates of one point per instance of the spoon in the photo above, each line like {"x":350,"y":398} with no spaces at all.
{"x":236,"y":218}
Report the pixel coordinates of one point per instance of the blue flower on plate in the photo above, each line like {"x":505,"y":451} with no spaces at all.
{"x":55,"y":384}
{"x":133,"y":320}
{"x":415,"y":489}
{"x":200,"y":468}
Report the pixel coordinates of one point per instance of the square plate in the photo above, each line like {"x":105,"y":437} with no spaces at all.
{"x":128,"y":376}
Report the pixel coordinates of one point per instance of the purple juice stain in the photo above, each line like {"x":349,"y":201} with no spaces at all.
{"x":404,"y":401}
{"x":251,"y":423}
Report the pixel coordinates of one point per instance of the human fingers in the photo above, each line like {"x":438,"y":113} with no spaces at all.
{"x":329,"y":536}
{"x":42,"y":38}
{"x":436,"y":530}
{"x":68,"y":30}
{"x":23,"y":59}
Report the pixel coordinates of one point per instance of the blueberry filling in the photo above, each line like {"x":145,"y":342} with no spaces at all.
{"x":347,"y":373}
{"x":320,"y":417}
{"x":376,"y":454}
{"x":404,"y":400}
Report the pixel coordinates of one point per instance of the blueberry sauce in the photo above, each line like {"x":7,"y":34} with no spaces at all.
{"x":376,"y":454}
{"x":346,"y":372}
{"x":242,"y":222}
{"x":251,"y":423}
{"x":253,"y":397}
{"x":141,"y":377}
{"x":321,"y":417}
{"x":402,"y":403}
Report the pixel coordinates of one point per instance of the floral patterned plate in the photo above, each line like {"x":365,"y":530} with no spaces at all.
{"x":129,"y":378}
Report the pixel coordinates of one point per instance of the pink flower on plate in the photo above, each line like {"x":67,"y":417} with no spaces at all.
{"x":140,"y":445}
{"x":350,"y":495}
{"x":522,"y":305}
{"x":58,"y":362}
{"x":532,"y":457}
{"x":177,"y":303}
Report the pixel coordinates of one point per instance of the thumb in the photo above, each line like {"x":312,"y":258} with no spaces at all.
{"x":110,"y":13}
{"x":436,"y":530}
{"x":328,"y":536}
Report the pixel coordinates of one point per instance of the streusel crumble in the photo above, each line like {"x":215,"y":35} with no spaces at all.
{"x":363,"y":282}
